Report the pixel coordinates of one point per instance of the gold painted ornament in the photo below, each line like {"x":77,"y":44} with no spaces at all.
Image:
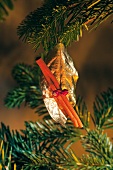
{"x":58,"y":85}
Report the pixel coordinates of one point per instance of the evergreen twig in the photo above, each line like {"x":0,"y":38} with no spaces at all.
{"x":62,"y":21}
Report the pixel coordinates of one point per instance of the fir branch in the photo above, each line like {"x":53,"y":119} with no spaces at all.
{"x":34,"y":99}
{"x":6,"y":156}
{"x":99,"y":145}
{"x":59,"y":21}
{"x":15,"y":97}
{"x":92,"y":162}
{"x":103,"y":110}
{"x":5,"y":6}
{"x":28,"y":91}
{"x":37,"y":146}
{"x":48,"y":131}
{"x":31,"y":96}
{"x":83,"y":112}
{"x":26,"y":75}
{"x":47,"y":135}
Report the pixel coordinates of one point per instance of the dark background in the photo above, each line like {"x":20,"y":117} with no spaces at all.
{"x":92,"y":55}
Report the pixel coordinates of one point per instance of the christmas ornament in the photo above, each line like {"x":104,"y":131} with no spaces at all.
{"x":58,"y":85}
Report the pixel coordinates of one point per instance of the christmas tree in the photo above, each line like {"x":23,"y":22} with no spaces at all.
{"x":46,"y":144}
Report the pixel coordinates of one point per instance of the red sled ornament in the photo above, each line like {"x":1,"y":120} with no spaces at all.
{"x":58,"y":85}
